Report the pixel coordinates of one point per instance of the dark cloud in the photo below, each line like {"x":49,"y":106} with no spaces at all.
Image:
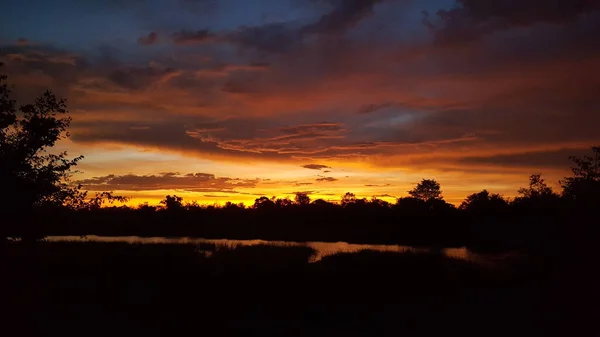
{"x":315,"y":167}
{"x":149,"y":39}
{"x":271,"y":38}
{"x":193,"y":182}
{"x":344,"y":15}
{"x":384,"y":196}
{"x":170,"y":135}
{"x":310,"y":128}
{"x":35,"y":68}
{"x":285,"y":141}
{"x":558,"y":159}
{"x":304,"y":192}
{"x":285,"y":37}
{"x":369,"y":108}
{"x":186,"y":37}
{"x":22,"y":42}
{"x":138,"y":77}
{"x":326,"y":179}
{"x":471,"y":19}
{"x":240,"y":86}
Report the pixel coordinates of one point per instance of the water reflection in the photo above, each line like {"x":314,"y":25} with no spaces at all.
{"x":322,"y":248}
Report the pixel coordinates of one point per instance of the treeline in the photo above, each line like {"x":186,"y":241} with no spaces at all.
{"x":539,"y":217}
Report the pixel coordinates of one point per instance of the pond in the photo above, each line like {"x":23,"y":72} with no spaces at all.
{"x":322,"y":248}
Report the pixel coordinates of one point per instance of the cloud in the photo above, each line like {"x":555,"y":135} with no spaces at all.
{"x":191,"y":182}
{"x":150,"y":39}
{"x":470,"y":20}
{"x":369,"y":108}
{"x":326,"y":179}
{"x":283,"y":141}
{"x":292,"y":94}
{"x":271,"y":38}
{"x":22,"y":42}
{"x":225,"y":70}
{"x":315,"y":167}
{"x":344,"y":14}
{"x":558,"y":159}
{"x":135,"y":78}
{"x":385,"y":196}
{"x":285,"y":37}
{"x":185,"y":37}
{"x":303,"y":192}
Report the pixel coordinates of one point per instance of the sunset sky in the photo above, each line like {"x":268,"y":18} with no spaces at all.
{"x":218,"y":100}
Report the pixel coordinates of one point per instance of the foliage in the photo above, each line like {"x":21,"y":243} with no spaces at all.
{"x":103,"y":198}
{"x":302,"y":199}
{"x":285,"y":202}
{"x":484,"y":202}
{"x":537,"y":188}
{"x":172,"y":203}
{"x":34,"y":175}
{"x":584,"y":185}
{"x":348,"y":198}
{"x":427,"y":190}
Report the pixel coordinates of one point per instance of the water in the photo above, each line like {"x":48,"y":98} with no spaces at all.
{"x":322,"y":248}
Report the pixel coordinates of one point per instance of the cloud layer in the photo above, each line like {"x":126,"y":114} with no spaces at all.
{"x":477,"y":87}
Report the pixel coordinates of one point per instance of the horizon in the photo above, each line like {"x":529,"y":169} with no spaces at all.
{"x":228,"y":100}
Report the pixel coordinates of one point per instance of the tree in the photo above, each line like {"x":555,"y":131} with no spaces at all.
{"x":484,"y":203}
{"x":427,"y":190}
{"x":537,"y":188}
{"x":172,"y":203}
{"x":322,"y":203}
{"x":538,"y":198}
{"x":263,"y":203}
{"x":35,"y":176}
{"x":348,"y":198}
{"x":103,"y":198}
{"x":378,"y":203}
{"x":584,"y":185}
{"x":302,"y":199}
{"x":233,"y":207}
{"x":283,"y":203}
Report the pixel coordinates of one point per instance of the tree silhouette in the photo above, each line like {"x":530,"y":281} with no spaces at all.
{"x":348,"y":198}
{"x":103,"y":198}
{"x":35,"y":176}
{"x":283,"y":203}
{"x":484,"y":203}
{"x":427,"y":190}
{"x":172,"y":203}
{"x":537,"y":188}
{"x":584,"y":185}
{"x":302,"y":199}
{"x":263,"y":203}
{"x":538,"y":198}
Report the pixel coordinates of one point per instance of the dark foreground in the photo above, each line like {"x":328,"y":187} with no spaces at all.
{"x":146,"y":290}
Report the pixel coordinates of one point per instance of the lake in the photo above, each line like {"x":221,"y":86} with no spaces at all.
{"x":322,"y":248}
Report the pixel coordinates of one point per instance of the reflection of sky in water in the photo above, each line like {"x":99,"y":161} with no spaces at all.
{"x":323,"y":248}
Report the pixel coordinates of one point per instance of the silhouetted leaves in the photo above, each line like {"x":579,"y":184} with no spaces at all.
{"x":33,"y":176}
{"x":172,"y":203}
{"x":485,"y":203}
{"x":584,"y":186}
{"x":302,"y":199}
{"x":426,"y":190}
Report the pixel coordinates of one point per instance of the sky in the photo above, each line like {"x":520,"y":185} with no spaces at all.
{"x":229,"y":100}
